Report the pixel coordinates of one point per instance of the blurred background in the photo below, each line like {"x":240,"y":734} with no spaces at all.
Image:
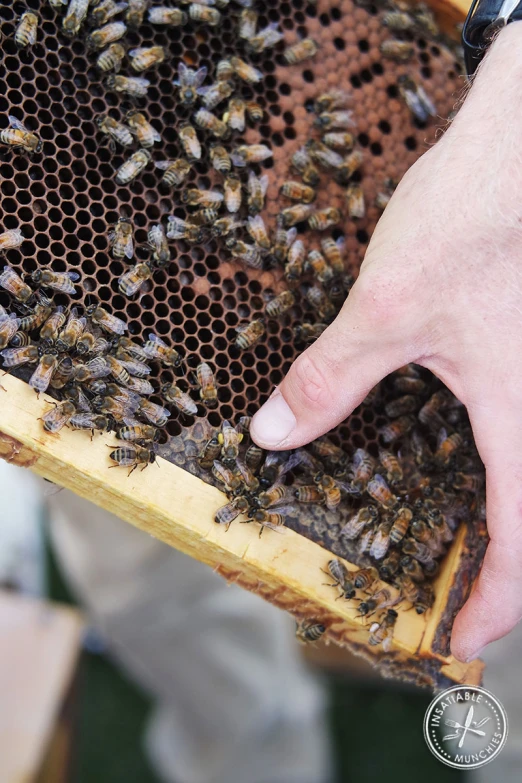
{"x":79,"y":693}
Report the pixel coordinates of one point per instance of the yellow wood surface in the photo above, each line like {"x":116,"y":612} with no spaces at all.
{"x":39,"y":647}
{"x":178,"y":508}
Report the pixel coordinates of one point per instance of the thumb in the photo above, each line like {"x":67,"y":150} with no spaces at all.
{"x":495,"y":604}
{"x":334,"y":375}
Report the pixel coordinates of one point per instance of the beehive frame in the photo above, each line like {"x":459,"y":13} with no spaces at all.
{"x":285,"y":569}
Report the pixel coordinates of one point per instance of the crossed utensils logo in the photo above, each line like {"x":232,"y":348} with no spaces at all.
{"x":469,"y":726}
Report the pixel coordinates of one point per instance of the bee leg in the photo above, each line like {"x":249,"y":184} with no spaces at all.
{"x":132,"y":469}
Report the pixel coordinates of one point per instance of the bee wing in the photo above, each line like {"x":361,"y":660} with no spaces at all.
{"x":138,"y":51}
{"x":176,"y":227}
{"x":73,"y":276}
{"x":63,"y":283}
{"x":263,"y":181}
{"x":129,"y":247}
{"x":441,"y":437}
{"x":119,"y":7}
{"x":16,"y":124}
{"x":115,"y":324}
{"x":184,"y":76}
{"x":55,"y":419}
{"x":9,"y":280}
{"x":82,"y":420}
{"x":129,"y":421}
{"x":140,"y":385}
{"x":163,"y":164}
{"x":155,"y":135}
{"x":126,"y":462}
{"x":237,"y":159}
{"x":98,"y":367}
{"x":199,"y":77}
{"x":136,"y":368}
{"x":155,"y":339}
{"x":426,"y":102}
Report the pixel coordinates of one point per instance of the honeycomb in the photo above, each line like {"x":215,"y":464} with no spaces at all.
{"x":66,"y":198}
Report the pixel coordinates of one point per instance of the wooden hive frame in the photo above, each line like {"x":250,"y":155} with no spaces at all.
{"x":285,"y":569}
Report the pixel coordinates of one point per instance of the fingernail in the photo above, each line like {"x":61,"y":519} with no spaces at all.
{"x":274,"y":422}
{"x":476,"y":654}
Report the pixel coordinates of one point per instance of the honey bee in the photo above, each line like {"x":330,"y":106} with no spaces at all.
{"x":365,"y":578}
{"x":111,"y":59}
{"x":257,"y":230}
{"x":52,"y":326}
{"x":284,"y":240}
{"x":412,"y":568}
{"x":280,"y":304}
{"x":172,"y":17}
{"x":467,"y":482}
{"x":156,"y":348}
{"x":302,"y":162}
{"x":105,"y":11}
{"x":307,"y":333}
{"x":115,"y":131}
{"x":447,"y":446}
{"x":320,"y":302}
{"x":205,"y":14}
{"x":86,"y":343}
{"x":109,"y":33}
{"x":209,"y":453}
{"x":429,"y":413}
{"x":58,"y":281}
{"x":247,"y":27}
{"x":230,"y":439}
{"x":250,"y":153}
{"x":175,"y":171}
{"x":309,"y":493}
{"x":254,"y":111}
{"x":202,"y":198}
{"x":338,"y":140}
{"x":132,"y":167}
{"x":41,"y":377}
{"x":270,"y":519}
{"x":401,"y":524}
{"x":408,"y":588}
{"x":189,"y":82}
{"x":154,"y":413}
{"x":427,"y":535}
{"x":26,"y":29}
{"x":245,"y":71}
{"x":220,"y":159}
{"x":207,"y":385}
{"x":362,"y":469}
{"x":257,"y":187}
{"x":379,"y":600}
{"x":296,"y":214}
{"x":224,"y":70}
{"x":332,"y":251}
{"x":399,"y":51}
{"x":378,"y":489}
{"x":410,"y":386}
{"x":253,"y":457}
{"x":225,"y":226}
{"x":208,"y":121}
{"x":235,"y":114}
{"x":75,"y":17}
{"x":180,"y":399}
{"x":249,"y":334}
{"x":350,"y":165}
{"x":15,"y":357}
{"x":55,"y":419}
{"x":323,"y":219}
{"x":132,"y":280}
{"x":331,"y":489}
{"x":88,"y":420}
{"x":229,"y":478}
{"x":11,"y":239}
{"x":309,"y":631}
{"x":131,"y":457}
{"x":146,"y":135}
{"x":331,"y":100}
{"x":144,"y":58}
{"x":341,"y":578}
{"x":418,"y":550}
{"x":136,"y":12}
{"x":266,"y":38}
{"x":12,"y":282}
{"x":120,"y":239}
{"x":231,"y":511}
{"x":118,"y":371}
{"x":232,"y":194}
{"x":392,"y":466}
{"x":355,"y":201}
{"x":138,"y":433}
{"x":398,"y":21}
{"x":295,"y":260}
{"x":382,"y":632}
{"x":301,"y":51}
{"x":71,"y":333}
{"x":19,"y":138}
{"x":133,"y":86}
{"x":416,"y":99}
{"x":250,"y":254}
{"x":8,"y":329}
{"x":157,"y":242}
{"x":324,"y":156}
{"x":341,"y":119}
{"x":190,"y":142}
{"x":95,"y":368}
{"x":397,"y":429}
{"x":316,"y":263}
{"x":106,"y":321}
{"x":297,"y":191}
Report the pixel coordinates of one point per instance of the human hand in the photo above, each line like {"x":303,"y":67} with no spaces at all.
{"x":441,"y":286}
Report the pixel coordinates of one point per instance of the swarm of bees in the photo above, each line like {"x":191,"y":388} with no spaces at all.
{"x":397,"y":506}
